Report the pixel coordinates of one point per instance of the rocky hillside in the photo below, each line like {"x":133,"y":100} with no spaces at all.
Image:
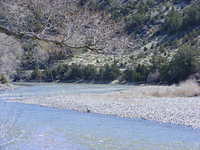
{"x":40,"y":35}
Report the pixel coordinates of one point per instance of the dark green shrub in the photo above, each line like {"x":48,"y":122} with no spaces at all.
{"x":76,"y":72}
{"x":174,"y":22}
{"x":89,"y":72}
{"x":107,"y":73}
{"x":65,"y":72}
{"x":139,"y":74}
{"x":165,"y":76}
{"x":156,"y":62}
{"x":28,"y":60}
{"x":183,"y":64}
{"x":128,"y":75}
{"x":62,"y":72}
{"x":136,"y":22}
{"x":49,"y":75}
{"x":150,"y":3}
{"x":192,"y":15}
{"x":37,"y":75}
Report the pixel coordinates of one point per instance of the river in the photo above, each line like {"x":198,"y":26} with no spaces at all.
{"x":41,"y":128}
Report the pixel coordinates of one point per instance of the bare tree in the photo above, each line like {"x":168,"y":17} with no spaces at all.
{"x":63,"y":23}
{"x":10,"y":53}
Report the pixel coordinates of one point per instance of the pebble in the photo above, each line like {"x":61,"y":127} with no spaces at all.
{"x":182,"y":111}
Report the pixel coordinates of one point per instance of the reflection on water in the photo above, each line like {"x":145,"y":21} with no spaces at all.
{"x":52,"y":129}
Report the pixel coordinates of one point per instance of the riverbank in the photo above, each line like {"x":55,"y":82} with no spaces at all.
{"x":131,"y":103}
{"x":6,"y":86}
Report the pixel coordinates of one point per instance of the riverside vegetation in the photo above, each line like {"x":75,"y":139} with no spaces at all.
{"x":148,"y":41}
{"x":140,"y":41}
{"x":183,"y":64}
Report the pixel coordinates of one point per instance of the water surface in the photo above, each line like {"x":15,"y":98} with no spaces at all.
{"x":42,"y":128}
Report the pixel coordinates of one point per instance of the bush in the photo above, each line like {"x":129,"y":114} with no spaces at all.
{"x":33,"y":56}
{"x":139,"y":74}
{"x":37,"y":75}
{"x":174,"y":22}
{"x":3,"y":79}
{"x":106,"y":73}
{"x":183,"y":64}
{"x":61,"y":72}
{"x":128,"y":75}
{"x":156,"y":62}
{"x":109,"y":72}
{"x":49,"y":75}
{"x":153,"y":77}
{"x":89,"y":72}
{"x":135,"y":22}
{"x":65,"y":72}
{"x":22,"y":75}
{"x":192,"y":15}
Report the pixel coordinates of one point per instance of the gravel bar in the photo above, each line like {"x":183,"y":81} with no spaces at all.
{"x":181,"y":111}
{"x":4,"y":87}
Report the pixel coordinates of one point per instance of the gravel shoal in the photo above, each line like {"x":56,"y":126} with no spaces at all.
{"x":182,"y":111}
{"x":6,"y":87}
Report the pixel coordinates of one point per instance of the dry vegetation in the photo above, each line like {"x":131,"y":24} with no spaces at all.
{"x":46,"y":33}
{"x":63,"y":23}
{"x":10,"y":51}
{"x":188,"y":88}
{"x":39,"y":33}
{"x":168,"y":104}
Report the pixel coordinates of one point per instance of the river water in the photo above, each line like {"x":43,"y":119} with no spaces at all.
{"x":41,"y":128}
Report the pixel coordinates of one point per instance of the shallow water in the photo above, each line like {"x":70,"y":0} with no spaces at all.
{"x":41,"y":128}
{"x":52,"y":89}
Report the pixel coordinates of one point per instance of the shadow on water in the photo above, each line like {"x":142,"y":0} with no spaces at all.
{"x":40,"y":128}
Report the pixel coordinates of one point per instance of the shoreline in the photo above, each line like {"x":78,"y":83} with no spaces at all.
{"x":179,"y":111}
{"x":6,"y":86}
{"x":165,"y":104}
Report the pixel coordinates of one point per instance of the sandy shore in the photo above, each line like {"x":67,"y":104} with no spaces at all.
{"x":182,"y":111}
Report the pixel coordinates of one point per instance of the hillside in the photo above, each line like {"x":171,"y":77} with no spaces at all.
{"x":100,"y":40}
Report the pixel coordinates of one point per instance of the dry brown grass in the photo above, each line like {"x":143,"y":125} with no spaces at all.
{"x":188,"y":88}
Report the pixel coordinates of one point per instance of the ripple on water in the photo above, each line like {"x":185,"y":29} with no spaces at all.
{"x":53,"y":129}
